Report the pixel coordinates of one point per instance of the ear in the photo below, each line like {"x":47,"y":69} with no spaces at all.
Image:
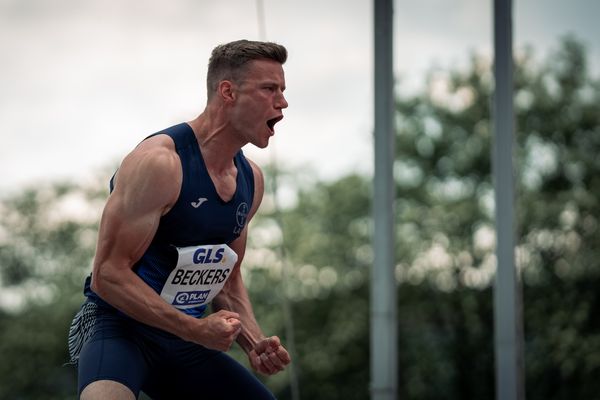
{"x":226,"y":90}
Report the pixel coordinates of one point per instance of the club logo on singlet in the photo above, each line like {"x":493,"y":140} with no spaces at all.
{"x":241,"y":214}
{"x":240,"y":217}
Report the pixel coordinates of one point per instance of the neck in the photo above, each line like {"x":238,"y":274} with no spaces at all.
{"x":217,"y":143}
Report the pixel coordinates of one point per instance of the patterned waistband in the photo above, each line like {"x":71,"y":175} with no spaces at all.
{"x":81,"y":329}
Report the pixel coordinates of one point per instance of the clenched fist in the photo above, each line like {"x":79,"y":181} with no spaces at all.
{"x":218,"y":331}
{"x":268,"y":356}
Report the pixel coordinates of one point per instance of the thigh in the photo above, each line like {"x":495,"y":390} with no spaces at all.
{"x":112,"y":353}
{"x":101,"y":390}
{"x":200,"y":373}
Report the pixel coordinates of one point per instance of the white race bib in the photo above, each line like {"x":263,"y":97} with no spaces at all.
{"x":200,"y":274}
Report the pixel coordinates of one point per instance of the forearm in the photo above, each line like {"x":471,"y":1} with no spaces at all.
{"x":127,"y":292}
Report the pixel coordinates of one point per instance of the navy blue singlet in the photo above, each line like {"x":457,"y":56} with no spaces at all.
{"x":199,"y":217}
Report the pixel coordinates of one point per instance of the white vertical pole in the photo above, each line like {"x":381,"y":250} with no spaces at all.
{"x":383,"y":283}
{"x":507,"y":316}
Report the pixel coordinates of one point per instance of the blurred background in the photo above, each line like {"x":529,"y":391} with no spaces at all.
{"x":82,"y":82}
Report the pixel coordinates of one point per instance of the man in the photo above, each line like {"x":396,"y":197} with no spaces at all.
{"x":172,"y":238}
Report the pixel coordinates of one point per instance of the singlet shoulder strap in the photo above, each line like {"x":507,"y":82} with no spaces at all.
{"x":182,"y":134}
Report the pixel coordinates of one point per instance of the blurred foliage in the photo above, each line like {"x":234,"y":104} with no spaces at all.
{"x":308,"y":264}
{"x":445,"y":242}
{"x":47,"y":239}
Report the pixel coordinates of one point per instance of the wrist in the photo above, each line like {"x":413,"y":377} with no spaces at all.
{"x":248,"y":341}
{"x":189,"y":328}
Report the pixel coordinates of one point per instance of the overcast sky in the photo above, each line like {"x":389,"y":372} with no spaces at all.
{"x":83,"y":81}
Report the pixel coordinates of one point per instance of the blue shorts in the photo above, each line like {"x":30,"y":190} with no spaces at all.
{"x":160,"y":364}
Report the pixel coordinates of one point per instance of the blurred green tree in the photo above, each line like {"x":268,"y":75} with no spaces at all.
{"x":47,"y":239}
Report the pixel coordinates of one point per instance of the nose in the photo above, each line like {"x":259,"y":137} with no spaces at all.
{"x":281,"y":102}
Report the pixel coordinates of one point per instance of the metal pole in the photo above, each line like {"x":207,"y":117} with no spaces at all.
{"x":507,"y":317}
{"x":383,"y":283}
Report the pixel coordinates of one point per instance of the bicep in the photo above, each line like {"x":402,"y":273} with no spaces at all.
{"x":132,"y":213}
{"x":125,"y":233}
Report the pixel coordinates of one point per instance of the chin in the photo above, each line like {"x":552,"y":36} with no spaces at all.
{"x":262,"y":144}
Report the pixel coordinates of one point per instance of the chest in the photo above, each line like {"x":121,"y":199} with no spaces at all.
{"x":208,"y":211}
{"x":225,"y":184}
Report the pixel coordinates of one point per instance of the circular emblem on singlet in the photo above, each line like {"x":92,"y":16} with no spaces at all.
{"x":241,"y":214}
{"x":182,"y":298}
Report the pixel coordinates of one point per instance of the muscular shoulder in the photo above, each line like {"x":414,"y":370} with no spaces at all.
{"x":259,"y":186}
{"x":258,"y":174}
{"x":151,"y":172}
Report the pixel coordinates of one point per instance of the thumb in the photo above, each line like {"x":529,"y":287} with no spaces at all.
{"x":274,"y":342}
{"x":234,"y":322}
{"x":228,"y":314}
{"x":270,"y":342}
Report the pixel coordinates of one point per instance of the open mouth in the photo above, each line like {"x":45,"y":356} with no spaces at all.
{"x":271,"y":123}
